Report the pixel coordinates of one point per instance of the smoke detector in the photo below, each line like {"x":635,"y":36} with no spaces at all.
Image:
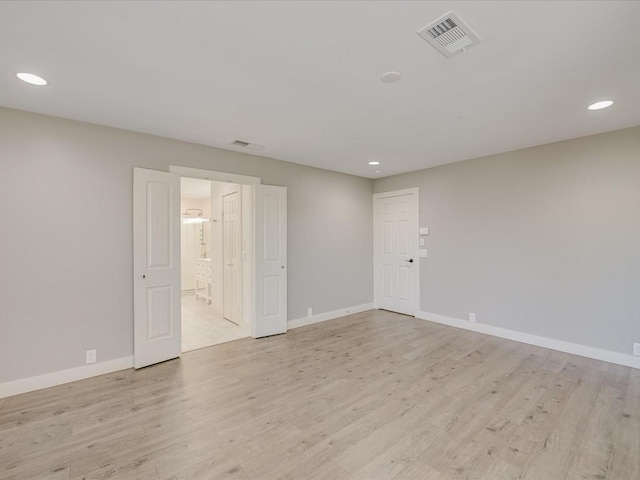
{"x":449,"y":35}
{"x":250,"y":146}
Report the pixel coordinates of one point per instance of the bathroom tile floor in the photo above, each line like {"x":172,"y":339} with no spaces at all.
{"x":203,"y":325}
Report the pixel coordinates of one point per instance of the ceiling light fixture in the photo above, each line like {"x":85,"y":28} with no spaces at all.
{"x":377,"y":171}
{"x":600,"y":105}
{"x":390,"y":77}
{"x":32,"y":79}
{"x":374,"y":162}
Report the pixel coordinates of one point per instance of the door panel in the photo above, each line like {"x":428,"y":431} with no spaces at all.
{"x":403,"y":284}
{"x":270,"y":244}
{"x":395,"y":243}
{"x":271,"y":287}
{"x":156,"y":283}
{"x":159,"y":312}
{"x":387,"y":291}
{"x":403,"y":238}
{"x":159,"y":228}
{"x":387,"y":238}
{"x":232,"y":234}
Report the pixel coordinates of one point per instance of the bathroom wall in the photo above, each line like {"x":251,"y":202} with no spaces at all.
{"x":189,"y":201}
{"x":192,"y":235}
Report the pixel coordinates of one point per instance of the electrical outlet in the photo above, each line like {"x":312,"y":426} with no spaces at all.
{"x":636,"y":349}
{"x":309,"y":312}
{"x":472,"y":317}
{"x":91,"y":356}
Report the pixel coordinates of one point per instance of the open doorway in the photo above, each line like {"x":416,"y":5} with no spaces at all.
{"x":211,"y":263}
{"x":157,"y":258}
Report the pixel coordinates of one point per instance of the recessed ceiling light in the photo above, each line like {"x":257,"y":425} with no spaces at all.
{"x":32,"y":79}
{"x":390,"y":77}
{"x":377,"y":171}
{"x":374,"y":162}
{"x":600,"y":105}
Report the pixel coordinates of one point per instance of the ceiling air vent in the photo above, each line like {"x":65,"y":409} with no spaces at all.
{"x":250,"y":146}
{"x":449,"y":35}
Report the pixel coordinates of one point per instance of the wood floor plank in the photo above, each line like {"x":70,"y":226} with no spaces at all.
{"x":625,"y":428}
{"x":373,"y":395}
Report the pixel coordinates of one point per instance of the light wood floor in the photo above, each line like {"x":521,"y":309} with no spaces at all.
{"x":371,"y":396}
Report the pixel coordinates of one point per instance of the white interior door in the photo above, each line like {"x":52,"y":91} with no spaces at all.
{"x":232,"y":248}
{"x":395,"y":251}
{"x":270,"y":260}
{"x":156,"y":266}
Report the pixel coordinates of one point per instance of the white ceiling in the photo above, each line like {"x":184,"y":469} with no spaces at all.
{"x":303,"y":78}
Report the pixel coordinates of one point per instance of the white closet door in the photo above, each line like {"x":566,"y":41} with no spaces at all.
{"x":156,"y":266}
{"x":270,"y":244}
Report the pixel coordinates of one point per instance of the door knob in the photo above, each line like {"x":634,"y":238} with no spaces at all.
{"x":410,"y":260}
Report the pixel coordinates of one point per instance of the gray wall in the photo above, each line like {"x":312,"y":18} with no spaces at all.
{"x":544,"y":240}
{"x":66,"y":244}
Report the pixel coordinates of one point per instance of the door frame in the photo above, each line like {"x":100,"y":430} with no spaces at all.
{"x":214,"y":175}
{"x":415,"y":206}
{"x":247,"y":184}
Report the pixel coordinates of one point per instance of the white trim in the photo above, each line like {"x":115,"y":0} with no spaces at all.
{"x":29,"y":384}
{"x":323,"y":317}
{"x":568,"y":347}
{"x":213,"y":175}
{"x":397,"y":193}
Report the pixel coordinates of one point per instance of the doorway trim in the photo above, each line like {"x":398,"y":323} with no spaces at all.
{"x":251,"y":188}
{"x":415,"y":207}
{"x":215,"y":176}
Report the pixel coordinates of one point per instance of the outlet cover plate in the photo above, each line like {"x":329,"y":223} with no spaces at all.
{"x":472,"y":317}
{"x":91,"y":356}
{"x":636,"y":349}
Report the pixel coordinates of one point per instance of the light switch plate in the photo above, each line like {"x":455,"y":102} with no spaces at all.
{"x":423,"y":253}
{"x":424,"y":231}
{"x":422,"y":242}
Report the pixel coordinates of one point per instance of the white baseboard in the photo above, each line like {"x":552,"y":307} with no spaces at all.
{"x":52,"y":379}
{"x":551,"y":343}
{"x":24,"y":385}
{"x":322,"y":317}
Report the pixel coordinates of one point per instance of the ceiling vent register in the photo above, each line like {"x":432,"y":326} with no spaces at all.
{"x":250,"y":146}
{"x":449,"y":35}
